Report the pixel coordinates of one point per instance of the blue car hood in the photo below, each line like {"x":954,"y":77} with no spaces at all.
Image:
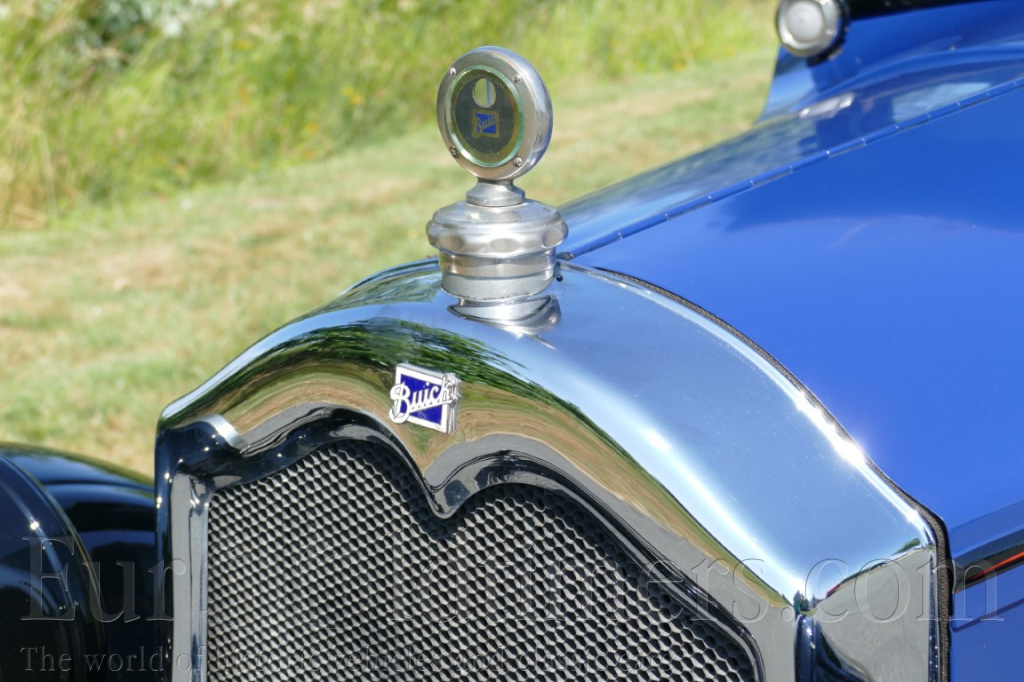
{"x":872,"y":242}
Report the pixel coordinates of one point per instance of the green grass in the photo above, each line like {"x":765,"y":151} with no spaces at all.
{"x":100,"y":108}
{"x":116,"y":309}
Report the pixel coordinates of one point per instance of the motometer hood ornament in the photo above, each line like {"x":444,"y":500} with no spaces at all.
{"x":497,"y":248}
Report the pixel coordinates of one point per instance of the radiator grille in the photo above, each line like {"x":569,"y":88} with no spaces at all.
{"x":334,"y":568}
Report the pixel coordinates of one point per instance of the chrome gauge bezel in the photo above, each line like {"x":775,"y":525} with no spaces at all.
{"x":530,"y":100}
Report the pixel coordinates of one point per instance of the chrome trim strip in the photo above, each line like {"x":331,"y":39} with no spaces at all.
{"x":672,"y":428}
{"x":226,"y":431}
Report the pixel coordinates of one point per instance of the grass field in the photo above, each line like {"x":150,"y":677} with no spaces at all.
{"x":116,"y":308}
{"x":107,"y":100}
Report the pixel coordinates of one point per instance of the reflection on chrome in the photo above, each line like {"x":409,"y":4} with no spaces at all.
{"x":827,"y":108}
{"x":696,"y":451}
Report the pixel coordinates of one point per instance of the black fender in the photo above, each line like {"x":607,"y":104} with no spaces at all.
{"x":77,"y":543}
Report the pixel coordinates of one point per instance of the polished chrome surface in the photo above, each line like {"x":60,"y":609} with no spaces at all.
{"x":809,"y":28}
{"x":679,"y":435}
{"x":494,"y":254}
{"x":496,"y":248}
{"x":531,"y":111}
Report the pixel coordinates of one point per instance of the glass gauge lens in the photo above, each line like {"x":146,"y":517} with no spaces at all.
{"x":485,"y":115}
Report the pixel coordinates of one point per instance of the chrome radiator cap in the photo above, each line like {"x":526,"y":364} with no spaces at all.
{"x":497,"y":248}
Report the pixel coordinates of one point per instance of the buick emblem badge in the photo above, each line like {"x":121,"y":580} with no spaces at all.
{"x":422,"y":397}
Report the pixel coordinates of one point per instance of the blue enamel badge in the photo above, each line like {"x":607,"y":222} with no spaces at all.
{"x":485,"y":123}
{"x":425,"y":398}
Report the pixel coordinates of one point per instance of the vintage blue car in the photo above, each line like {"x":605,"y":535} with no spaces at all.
{"x":753,"y":415}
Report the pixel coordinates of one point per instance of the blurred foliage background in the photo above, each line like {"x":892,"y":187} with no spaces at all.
{"x":180,"y":177}
{"x":105,"y":100}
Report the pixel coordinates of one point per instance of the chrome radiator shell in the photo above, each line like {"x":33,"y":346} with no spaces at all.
{"x":685,"y":442}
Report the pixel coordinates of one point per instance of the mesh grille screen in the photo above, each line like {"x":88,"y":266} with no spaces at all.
{"x":335,"y":569}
